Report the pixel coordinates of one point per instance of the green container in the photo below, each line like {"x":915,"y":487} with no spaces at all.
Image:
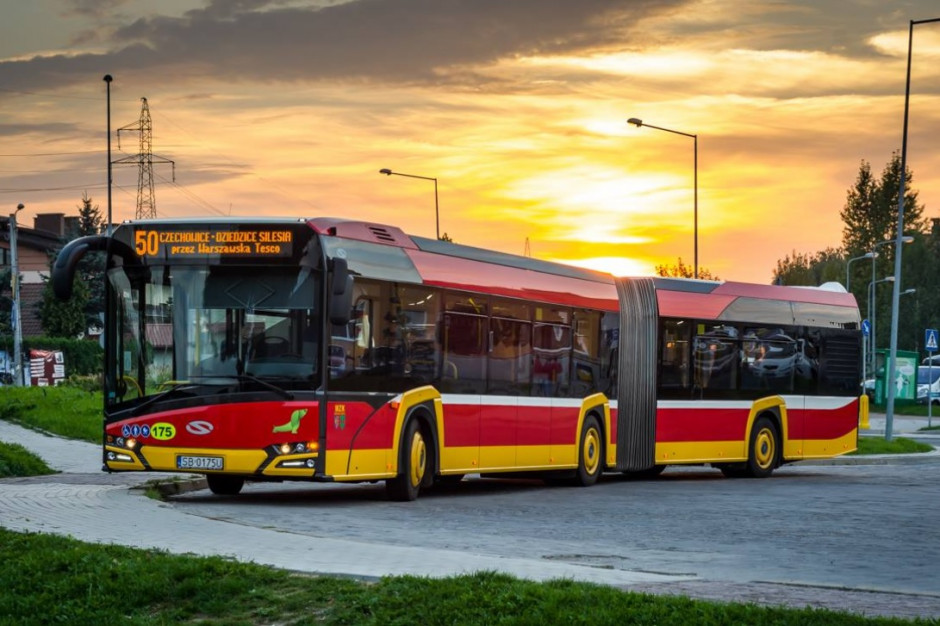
{"x":905,"y":378}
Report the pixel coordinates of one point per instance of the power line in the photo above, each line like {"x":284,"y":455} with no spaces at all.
{"x":38,"y":189}
{"x":45,"y":154}
{"x":51,"y":95}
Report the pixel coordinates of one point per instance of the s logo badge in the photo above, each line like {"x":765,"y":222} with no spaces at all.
{"x":199,"y":427}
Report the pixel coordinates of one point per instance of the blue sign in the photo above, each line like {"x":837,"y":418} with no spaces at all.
{"x":930,"y":340}
{"x":866,"y":328}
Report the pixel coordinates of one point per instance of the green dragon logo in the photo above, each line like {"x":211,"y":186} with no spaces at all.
{"x":293,"y":425}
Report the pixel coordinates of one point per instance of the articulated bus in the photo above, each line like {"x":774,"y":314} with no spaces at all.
{"x":338,"y":350}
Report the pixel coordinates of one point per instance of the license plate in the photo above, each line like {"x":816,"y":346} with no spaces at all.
{"x":189,"y":462}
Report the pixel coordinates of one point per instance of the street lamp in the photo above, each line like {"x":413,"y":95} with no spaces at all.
{"x":15,"y":312}
{"x":896,"y":294}
{"x":638,"y":123}
{"x":848,"y":265}
{"x":107,"y":79}
{"x":873,"y":314}
{"x":871,"y":299}
{"x":437,"y":213}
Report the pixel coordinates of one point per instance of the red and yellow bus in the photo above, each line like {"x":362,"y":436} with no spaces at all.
{"x":337,"y":350}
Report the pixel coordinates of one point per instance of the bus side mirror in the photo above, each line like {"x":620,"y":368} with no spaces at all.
{"x":342,"y":292}
{"x":63,"y":270}
{"x":340,"y":274}
{"x":66,"y":262}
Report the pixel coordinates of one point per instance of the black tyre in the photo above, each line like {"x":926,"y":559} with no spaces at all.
{"x":733,"y":470}
{"x":590,"y":453}
{"x":412,"y":465}
{"x":650,"y":472}
{"x":222,"y":485}
{"x":764,"y":449}
{"x":448,"y":480}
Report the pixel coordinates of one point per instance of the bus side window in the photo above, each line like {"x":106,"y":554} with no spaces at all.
{"x":586,"y":366}
{"x":464,"y":344}
{"x":674,"y":355}
{"x":552,"y":346}
{"x":716,"y":357}
{"x":610,"y":331}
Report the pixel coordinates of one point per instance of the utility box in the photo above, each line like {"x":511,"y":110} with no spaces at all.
{"x":904,"y":379}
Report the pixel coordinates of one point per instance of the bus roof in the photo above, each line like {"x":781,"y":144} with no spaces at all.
{"x":453,"y":265}
{"x":386,"y":252}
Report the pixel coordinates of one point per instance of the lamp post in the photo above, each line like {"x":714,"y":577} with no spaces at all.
{"x":872,"y":304}
{"x":873,"y":314}
{"x":638,"y":123}
{"x":896,"y":294}
{"x":107,"y":79}
{"x":437,"y":213}
{"x":848,"y":265}
{"x":15,"y":312}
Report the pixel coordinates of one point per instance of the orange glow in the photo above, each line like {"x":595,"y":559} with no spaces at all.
{"x":524,"y":127}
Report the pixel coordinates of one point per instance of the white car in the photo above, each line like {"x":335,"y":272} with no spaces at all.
{"x":928,"y":381}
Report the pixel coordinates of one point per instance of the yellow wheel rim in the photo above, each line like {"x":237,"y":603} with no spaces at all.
{"x":418,"y":459}
{"x":764,"y":448}
{"x":591,"y":451}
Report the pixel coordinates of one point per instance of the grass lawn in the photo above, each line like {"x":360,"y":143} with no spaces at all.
{"x":54,"y":579}
{"x":897,"y":445}
{"x":66,"y":411}
{"x":15,"y":460}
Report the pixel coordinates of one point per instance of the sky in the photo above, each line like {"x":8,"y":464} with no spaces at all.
{"x":517,"y":107}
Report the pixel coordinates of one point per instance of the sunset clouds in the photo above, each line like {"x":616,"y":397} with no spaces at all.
{"x":518,"y":107}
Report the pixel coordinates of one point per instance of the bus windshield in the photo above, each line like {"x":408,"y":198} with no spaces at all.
{"x":249,"y":328}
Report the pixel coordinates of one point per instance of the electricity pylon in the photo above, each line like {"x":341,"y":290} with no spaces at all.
{"x":146,"y":204}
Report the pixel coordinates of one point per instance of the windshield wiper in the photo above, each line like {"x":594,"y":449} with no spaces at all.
{"x":270,"y":386}
{"x":172,"y":391}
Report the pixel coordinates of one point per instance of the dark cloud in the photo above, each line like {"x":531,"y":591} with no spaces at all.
{"x":833,"y":26}
{"x":91,"y":8}
{"x":385,"y":40}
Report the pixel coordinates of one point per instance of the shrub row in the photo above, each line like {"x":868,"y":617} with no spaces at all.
{"x":82,"y":357}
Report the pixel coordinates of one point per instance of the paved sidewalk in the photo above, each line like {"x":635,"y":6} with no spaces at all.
{"x":90,"y":505}
{"x":85,"y":503}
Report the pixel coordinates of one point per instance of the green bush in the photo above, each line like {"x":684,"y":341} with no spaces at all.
{"x":15,"y":460}
{"x":82,"y":357}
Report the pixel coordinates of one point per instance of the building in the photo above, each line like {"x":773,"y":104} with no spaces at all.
{"x":35,"y":247}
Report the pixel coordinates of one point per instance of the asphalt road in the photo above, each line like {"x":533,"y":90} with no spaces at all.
{"x":862,"y":527}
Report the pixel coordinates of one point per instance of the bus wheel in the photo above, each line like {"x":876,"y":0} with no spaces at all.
{"x":222,"y":485}
{"x":764,"y":450}
{"x":590,"y":453}
{"x":448,"y":480}
{"x":733,"y":470}
{"x":412,"y":466}
{"x":649,"y":472}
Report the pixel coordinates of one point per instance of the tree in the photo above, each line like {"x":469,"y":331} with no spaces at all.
{"x":64,"y":319}
{"x":870,"y":214}
{"x":681,"y":270}
{"x":6,"y":301}
{"x":92,"y":267}
{"x":869,"y":217}
{"x":810,"y":270}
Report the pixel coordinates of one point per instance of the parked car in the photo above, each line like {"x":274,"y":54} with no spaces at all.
{"x":928,"y":382}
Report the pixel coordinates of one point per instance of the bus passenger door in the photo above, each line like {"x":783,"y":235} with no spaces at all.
{"x":462,"y":380}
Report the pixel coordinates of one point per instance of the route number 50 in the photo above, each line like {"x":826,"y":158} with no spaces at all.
{"x":145,"y":242}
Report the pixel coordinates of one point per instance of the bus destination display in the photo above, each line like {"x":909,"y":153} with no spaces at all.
{"x":259,"y":242}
